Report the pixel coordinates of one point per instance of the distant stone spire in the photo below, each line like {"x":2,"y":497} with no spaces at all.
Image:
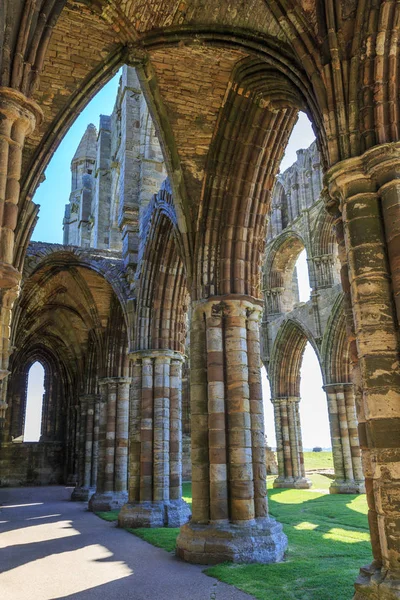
{"x":87,"y":145}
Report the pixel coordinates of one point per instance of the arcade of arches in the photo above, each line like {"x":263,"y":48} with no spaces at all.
{"x":146,"y":259}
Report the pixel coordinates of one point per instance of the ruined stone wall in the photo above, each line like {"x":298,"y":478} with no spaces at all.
{"x":298,"y":221}
{"x":32,"y":463}
{"x":115,"y":172}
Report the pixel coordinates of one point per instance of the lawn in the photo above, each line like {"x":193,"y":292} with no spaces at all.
{"x":318,"y":460}
{"x":328,"y":542}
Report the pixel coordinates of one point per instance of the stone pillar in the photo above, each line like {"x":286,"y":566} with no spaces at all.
{"x":155,"y":467}
{"x":366,"y":194}
{"x":18,"y":118}
{"x":291,"y":471}
{"x":344,"y":438}
{"x":230,"y":519}
{"x":87,"y":458}
{"x":112,"y":470}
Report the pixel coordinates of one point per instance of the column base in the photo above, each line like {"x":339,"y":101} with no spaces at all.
{"x":171,"y":513}
{"x":260,"y":541}
{"x":347,"y":487}
{"x":106,"y":501}
{"x":82,"y":494}
{"x":375,"y":584}
{"x":298,"y":483}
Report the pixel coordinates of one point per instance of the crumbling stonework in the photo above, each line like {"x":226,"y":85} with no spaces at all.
{"x":224,"y":82}
{"x":299,"y":221}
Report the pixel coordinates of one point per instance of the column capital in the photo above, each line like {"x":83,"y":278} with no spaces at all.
{"x":283,"y":399}
{"x":15,"y":105}
{"x":376,"y":169}
{"x":336,"y":387}
{"x":234,"y":304}
{"x":136,"y":355}
{"x":113,"y":380}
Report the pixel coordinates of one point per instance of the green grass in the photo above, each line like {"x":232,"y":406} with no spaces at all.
{"x":328,"y":542}
{"x":112,"y":515}
{"x":318,"y":460}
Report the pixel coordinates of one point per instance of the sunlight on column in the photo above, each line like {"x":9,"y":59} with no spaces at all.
{"x":34,"y":403}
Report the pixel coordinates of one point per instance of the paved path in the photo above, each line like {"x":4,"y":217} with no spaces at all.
{"x":51,"y":548}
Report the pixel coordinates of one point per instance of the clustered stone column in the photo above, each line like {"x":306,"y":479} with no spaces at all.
{"x":289,"y":445}
{"x":18,"y":118}
{"x":87,"y":446}
{"x":155,"y":462}
{"x":366,"y":194}
{"x":230,"y":519}
{"x":349,"y":478}
{"x":112,"y":471}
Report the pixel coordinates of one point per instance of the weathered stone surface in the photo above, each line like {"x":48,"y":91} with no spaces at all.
{"x":260,"y":540}
{"x":82,"y":494}
{"x":106,"y":501}
{"x":170,"y":513}
{"x":225,"y":81}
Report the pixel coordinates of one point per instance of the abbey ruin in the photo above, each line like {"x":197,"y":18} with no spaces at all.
{"x":176,"y":280}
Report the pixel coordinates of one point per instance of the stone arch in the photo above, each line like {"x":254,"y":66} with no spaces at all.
{"x":286,"y":357}
{"x":325,"y":251}
{"x":109,"y":265}
{"x":231,"y":224}
{"x":335,"y":348}
{"x":279,"y":215}
{"x":280,"y":284}
{"x":162,"y":298}
{"x":58,"y":387}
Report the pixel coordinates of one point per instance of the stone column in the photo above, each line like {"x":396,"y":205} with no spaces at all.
{"x":18,"y":118}
{"x":155,"y":467}
{"x":230,"y":519}
{"x":366,"y":194}
{"x":344,"y":438}
{"x":87,"y":460}
{"x":291,"y":471}
{"x":112,"y":470}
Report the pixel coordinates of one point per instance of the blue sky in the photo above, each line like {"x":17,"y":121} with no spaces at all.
{"x":53,"y":194}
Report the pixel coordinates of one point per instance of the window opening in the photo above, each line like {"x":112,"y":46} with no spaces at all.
{"x":34,"y":403}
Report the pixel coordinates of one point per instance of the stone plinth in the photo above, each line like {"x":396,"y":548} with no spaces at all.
{"x":298,"y":483}
{"x":107,"y":501}
{"x":347,"y":487}
{"x":171,"y":513}
{"x":258,"y":541}
{"x":82,"y":494}
{"x":374,"y":584}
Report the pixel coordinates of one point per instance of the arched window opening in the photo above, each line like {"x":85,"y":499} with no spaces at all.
{"x":286,"y":281}
{"x":313,"y":406}
{"x":301,"y":278}
{"x":58,"y":174}
{"x":34,"y":403}
{"x":269,"y":426}
{"x":301,"y":137}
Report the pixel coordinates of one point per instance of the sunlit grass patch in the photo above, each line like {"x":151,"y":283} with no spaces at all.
{"x":318,"y":460}
{"x":347,"y":536}
{"x":328,"y":542}
{"x":306,"y":525}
